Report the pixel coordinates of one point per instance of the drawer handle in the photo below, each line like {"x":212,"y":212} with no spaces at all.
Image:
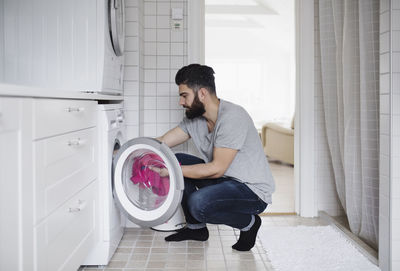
{"x":75,"y":109}
{"x":76,"y":142}
{"x":80,"y":207}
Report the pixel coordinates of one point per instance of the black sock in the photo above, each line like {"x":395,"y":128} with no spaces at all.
{"x":247,"y":239}
{"x":188,"y":234}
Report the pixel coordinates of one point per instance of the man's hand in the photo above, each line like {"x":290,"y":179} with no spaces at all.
{"x":163,"y":172}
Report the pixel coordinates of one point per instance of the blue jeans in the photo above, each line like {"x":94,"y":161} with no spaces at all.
{"x":217,"y":201}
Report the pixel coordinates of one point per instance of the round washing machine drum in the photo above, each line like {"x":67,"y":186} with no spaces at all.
{"x":148,"y":181}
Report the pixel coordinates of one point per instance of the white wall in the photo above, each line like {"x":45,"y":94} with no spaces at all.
{"x":151,"y":94}
{"x":389,"y":221}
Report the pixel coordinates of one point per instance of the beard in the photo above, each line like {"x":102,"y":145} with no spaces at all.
{"x":196,"y":109}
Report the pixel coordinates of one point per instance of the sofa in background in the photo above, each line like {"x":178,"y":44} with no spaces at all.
{"x":278,"y":141}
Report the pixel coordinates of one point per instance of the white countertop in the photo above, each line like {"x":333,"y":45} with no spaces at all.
{"x":28,"y":91}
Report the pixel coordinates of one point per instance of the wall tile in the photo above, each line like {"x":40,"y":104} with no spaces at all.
{"x":163,"y":35}
{"x":163,"y":62}
{"x":396,"y":125}
{"x":384,"y":83}
{"x":131,"y":88}
{"x":384,"y":42}
{"x":150,"y":130}
{"x":150,"y":89}
{"x":150,"y":35}
{"x":163,"y":103}
{"x":150,"y":21}
{"x":163,"y":48}
{"x":150,"y":8}
{"x":396,"y":40}
{"x":131,"y":73}
{"x":131,"y":103}
{"x":395,"y":20}
{"x":384,"y":145}
{"x":396,"y":83}
{"x":131,"y":58}
{"x":396,"y":62}
{"x":177,"y":62}
{"x":163,"y":22}
{"x":150,"y":116}
{"x":384,"y":22}
{"x":163,"y":116}
{"x":150,"y":75}
{"x":150,"y":48}
{"x":163,"y":76}
{"x":150,"y":62}
{"x":131,"y":3}
{"x":132,"y":117}
{"x":163,"y":89}
{"x":132,"y":131}
{"x":396,"y":104}
{"x":384,"y":63}
{"x":177,"y":48}
{"x":163,"y":9}
{"x":150,"y":103}
{"x":384,"y":124}
{"x":131,"y":29}
{"x":384,"y":165}
{"x":384,"y":5}
{"x":131,"y":44}
{"x":131,"y":14}
{"x":177,"y":36}
{"x":384,"y":104}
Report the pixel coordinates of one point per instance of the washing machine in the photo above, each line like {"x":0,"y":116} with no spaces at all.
{"x":110,"y":47}
{"x":110,"y":223}
{"x":148,"y":183}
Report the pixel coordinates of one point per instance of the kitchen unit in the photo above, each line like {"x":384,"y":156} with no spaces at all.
{"x":48,"y":179}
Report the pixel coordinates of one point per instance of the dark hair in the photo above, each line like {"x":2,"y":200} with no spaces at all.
{"x":196,"y":76}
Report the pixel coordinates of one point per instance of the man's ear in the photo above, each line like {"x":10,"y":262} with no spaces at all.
{"x":202,"y":94}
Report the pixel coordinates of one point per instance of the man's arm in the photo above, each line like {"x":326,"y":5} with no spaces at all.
{"x":223,"y":157}
{"x":174,"y":137}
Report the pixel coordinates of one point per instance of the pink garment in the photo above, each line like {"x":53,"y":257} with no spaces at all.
{"x":145,"y":177}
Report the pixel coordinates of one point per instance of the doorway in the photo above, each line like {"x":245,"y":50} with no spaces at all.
{"x":251,"y":46}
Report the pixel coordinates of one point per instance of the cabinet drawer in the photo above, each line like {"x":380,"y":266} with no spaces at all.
{"x":65,"y":238}
{"x":64,"y":165}
{"x":54,"y":117}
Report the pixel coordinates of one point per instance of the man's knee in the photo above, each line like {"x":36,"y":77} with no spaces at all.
{"x":197,"y":206}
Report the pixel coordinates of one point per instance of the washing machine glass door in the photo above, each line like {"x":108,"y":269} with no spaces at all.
{"x":148,"y":181}
{"x":116,"y":22}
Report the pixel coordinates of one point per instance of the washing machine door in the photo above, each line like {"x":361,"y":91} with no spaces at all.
{"x":116,"y":22}
{"x":148,"y":181}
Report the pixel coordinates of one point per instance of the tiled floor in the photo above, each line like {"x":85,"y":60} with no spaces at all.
{"x":145,"y":249}
{"x":283,"y":197}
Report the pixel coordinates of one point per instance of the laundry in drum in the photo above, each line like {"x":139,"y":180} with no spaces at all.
{"x":144,"y":173}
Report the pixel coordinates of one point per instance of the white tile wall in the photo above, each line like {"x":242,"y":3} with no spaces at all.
{"x":389,"y":243}
{"x":163,"y":51}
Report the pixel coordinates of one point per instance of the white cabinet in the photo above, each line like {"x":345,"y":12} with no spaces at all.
{"x":10,"y":183}
{"x":48,"y":183}
{"x":15,"y":184}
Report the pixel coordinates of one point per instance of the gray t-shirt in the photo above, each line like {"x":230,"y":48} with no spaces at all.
{"x":234,"y":129}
